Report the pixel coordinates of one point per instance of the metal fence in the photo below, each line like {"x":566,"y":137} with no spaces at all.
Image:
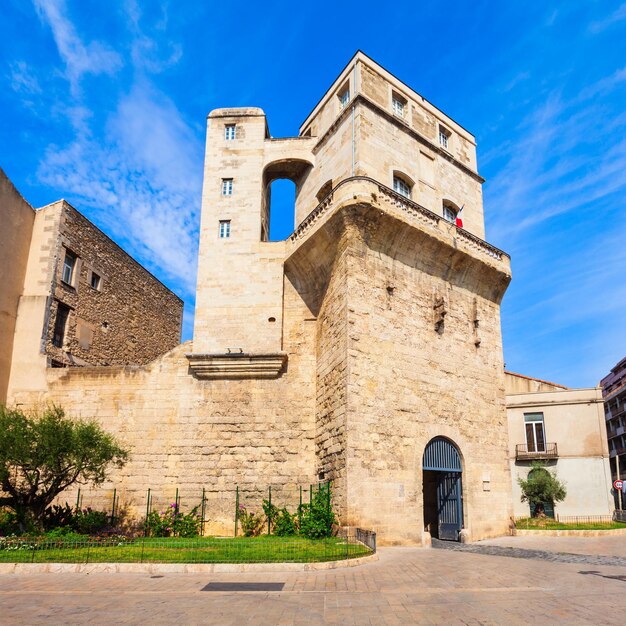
{"x":570,"y":520}
{"x":619,"y":516}
{"x":264,"y":549}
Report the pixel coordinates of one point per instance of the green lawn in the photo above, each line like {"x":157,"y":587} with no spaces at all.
{"x":533,"y":523}
{"x":176,"y":550}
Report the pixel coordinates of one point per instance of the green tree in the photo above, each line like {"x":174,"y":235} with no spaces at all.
{"x":41,"y":455}
{"x":541,"y":487}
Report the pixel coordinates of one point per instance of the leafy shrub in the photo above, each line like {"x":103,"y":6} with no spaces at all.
{"x":250,"y":522}
{"x":541,"y":486}
{"x":318,"y":517}
{"x":271,"y":512}
{"x":66,"y":520}
{"x":173,"y":523}
{"x":8,"y":523}
{"x":285,"y":523}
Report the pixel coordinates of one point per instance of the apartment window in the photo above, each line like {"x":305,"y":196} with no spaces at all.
{"x":227,"y":186}
{"x":229,"y":132}
{"x":60,"y":323}
{"x":344,"y":98}
{"x":449,"y":213}
{"x":402,"y":187}
{"x":535,"y":432}
{"x":69,"y":262}
{"x":224,"y":229}
{"x":444,"y":137}
{"x":398,"y":105}
{"x":95,"y":281}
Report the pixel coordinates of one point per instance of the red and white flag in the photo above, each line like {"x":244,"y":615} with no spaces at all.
{"x":459,"y":218}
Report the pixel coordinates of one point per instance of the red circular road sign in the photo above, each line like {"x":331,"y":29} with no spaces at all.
{"x":618,"y":484}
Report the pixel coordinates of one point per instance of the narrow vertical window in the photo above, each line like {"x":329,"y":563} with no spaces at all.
{"x":344,"y":98}
{"x":227,"y":186}
{"x":229,"y":132}
{"x":535,"y":435}
{"x":398,"y":105}
{"x":60,"y":323}
{"x":69,"y":263}
{"x":95,"y":281}
{"x":444,"y":137}
{"x":224,"y":229}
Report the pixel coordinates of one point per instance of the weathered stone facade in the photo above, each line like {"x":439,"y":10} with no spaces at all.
{"x":114,"y":311}
{"x":340,"y":353}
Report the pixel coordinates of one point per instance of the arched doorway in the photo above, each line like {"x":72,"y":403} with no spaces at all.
{"x":442,"y":488}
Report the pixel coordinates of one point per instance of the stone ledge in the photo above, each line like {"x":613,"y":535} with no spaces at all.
{"x":236,"y":365}
{"x":178,"y":568}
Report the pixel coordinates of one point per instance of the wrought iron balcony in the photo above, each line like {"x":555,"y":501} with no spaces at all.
{"x":522,"y":453}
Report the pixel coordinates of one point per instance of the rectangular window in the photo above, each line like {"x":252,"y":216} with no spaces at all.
{"x":449,"y":213}
{"x":398,"y":105}
{"x":227,"y":186}
{"x":344,"y":98}
{"x":95,"y":281}
{"x":444,"y":136}
{"x":224,"y":229}
{"x":535,"y":432}
{"x":60,"y":323}
{"x":68,"y":267}
{"x":229,"y":132}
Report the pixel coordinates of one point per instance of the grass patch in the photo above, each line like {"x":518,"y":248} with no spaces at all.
{"x":534,"y":523}
{"x":177,"y":550}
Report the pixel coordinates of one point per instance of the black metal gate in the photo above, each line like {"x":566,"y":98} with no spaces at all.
{"x":442,"y":456}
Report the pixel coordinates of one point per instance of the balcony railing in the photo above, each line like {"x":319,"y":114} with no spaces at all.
{"x":522,"y":453}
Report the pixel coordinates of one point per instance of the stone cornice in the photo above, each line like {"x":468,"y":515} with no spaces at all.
{"x":236,"y":365}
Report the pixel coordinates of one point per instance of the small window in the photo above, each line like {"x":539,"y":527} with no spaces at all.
{"x":227,"y":186}
{"x":60,"y":323}
{"x":224,"y":229}
{"x":344,"y":98}
{"x":449,"y":213}
{"x":95,"y":281}
{"x":402,"y":187}
{"x":229,"y":132}
{"x":68,"y":267}
{"x":444,"y":137}
{"x":398,"y":104}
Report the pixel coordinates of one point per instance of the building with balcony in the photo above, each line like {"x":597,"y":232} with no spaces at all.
{"x":364,"y":349}
{"x":614,"y":396}
{"x":563,"y":429}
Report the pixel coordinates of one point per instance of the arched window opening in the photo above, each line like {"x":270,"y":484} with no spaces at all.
{"x":450,"y":212}
{"x":281,"y":198}
{"x":402,"y":184}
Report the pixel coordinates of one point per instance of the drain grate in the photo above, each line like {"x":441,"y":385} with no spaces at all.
{"x":243,"y":587}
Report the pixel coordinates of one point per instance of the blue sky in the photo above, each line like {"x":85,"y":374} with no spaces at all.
{"x":104,"y":104}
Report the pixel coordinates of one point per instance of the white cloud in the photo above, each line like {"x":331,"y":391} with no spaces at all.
{"x":23,"y":79}
{"x":80,"y":58}
{"x":619,"y":15}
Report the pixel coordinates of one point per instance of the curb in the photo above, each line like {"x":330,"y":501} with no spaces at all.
{"x":177,"y":568}
{"x":523,"y":532}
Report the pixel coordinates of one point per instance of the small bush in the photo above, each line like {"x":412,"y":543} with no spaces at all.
{"x":251,"y":523}
{"x":318,"y":517}
{"x":271,"y":512}
{"x":285,"y":523}
{"x":66,"y":519}
{"x":8,"y":523}
{"x":173,"y":523}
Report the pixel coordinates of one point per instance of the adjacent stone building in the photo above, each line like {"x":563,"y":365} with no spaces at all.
{"x":563,"y":429}
{"x":69,"y":296}
{"x":365,"y":349}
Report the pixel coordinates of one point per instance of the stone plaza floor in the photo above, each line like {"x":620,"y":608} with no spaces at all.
{"x":512,"y":580}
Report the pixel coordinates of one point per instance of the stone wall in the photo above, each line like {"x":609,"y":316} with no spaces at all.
{"x":17,"y":218}
{"x":130,"y":318}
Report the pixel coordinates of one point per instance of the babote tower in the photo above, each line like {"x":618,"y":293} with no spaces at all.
{"x":377,"y":321}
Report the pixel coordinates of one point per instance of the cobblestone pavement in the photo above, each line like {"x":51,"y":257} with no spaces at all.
{"x":519,"y":552}
{"x":406,"y":586}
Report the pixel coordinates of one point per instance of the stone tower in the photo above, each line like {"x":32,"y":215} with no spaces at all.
{"x":386,"y":298}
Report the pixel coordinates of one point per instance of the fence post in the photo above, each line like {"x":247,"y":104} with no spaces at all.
{"x":145,"y":530}
{"x":236,"y":508}
{"x":269,"y":509}
{"x":300,"y":510}
{"x":310,"y":497}
{"x":78,"y":499}
{"x":328,"y":507}
{"x":203,"y":511}
{"x":113,"y":508}
{"x":176,"y":500}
